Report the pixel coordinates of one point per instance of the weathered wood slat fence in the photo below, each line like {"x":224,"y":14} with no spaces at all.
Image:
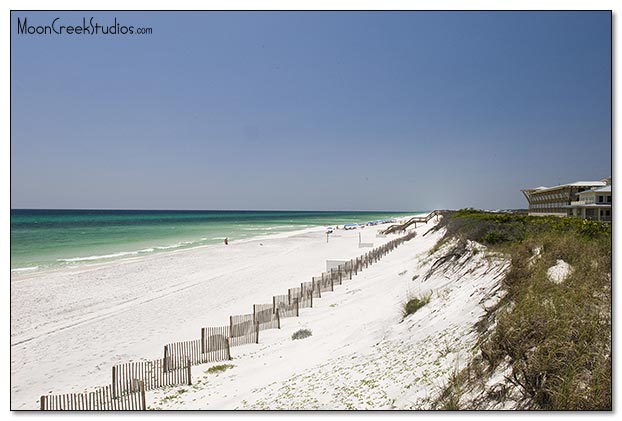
{"x":102,"y":399}
{"x":131,"y":380}
{"x":266,"y":316}
{"x":284,"y":305}
{"x":243,"y":330}
{"x":216,"y":341}
{"x":169,"y":371}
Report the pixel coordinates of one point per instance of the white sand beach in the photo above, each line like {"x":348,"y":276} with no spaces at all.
{"x":70,"y":326}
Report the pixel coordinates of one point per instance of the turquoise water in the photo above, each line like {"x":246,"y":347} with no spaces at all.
{"x":42,"y":239}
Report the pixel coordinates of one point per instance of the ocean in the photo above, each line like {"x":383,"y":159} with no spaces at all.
{"x":43,"y":239}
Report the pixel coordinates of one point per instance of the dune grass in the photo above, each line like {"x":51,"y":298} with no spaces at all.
{"x":557,"y":337}
{"x":301,"y":334}
{"x":415,"y":303}
{"x":219,"y":368}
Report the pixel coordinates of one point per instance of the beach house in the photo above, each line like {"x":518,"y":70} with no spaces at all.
{"x":585,"y":199}
{"x":594,"y":204}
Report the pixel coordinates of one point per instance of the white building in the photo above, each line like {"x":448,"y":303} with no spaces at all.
{"x":584,"y":199}
{"x":593,"y":204}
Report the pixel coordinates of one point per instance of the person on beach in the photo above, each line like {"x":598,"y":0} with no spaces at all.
{"x":226,"y":241}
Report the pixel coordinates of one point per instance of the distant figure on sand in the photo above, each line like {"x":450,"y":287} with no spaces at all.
{"x":226,"y":241}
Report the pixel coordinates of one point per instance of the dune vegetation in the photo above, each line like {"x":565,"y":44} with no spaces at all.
{"x":550,"y":336}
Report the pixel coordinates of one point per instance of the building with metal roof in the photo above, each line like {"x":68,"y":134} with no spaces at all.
{"x":594,"y":204}
{"x":558,"y":200}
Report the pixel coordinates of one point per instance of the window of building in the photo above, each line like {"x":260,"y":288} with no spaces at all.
{"x":601,"y":199}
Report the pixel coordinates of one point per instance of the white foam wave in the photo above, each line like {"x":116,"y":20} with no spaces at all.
{"x":25,"y":269}
{"x":172,"y":246}
{"x":268,"y":228}
{"x":107,"y":256}
{"x":104,"y":256}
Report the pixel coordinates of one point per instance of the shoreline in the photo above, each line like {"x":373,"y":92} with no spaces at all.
{"x":112,"y":257}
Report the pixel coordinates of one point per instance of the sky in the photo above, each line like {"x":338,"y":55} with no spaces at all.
{"x":308,"y":110}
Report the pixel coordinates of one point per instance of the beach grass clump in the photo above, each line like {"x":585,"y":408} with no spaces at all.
{"x":415,"y":303}
{"x":555,"y":336}
{"x":402,"y":273}
{"x":449,"y":399}
{"x":219,"y":368}
{"x":301,"y":334}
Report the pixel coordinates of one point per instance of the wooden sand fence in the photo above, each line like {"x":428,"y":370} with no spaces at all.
{"x":131,"y":380}
{"x":285,"y":306}
{"x":295,"y":296}
{"x":154,"y":374}
{"x":266,"y":316}
{"x":102,"y":399}
{"x":244,"y":330}
{"x":216,"y":341}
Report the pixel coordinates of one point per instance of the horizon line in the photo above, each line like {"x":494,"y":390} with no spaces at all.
{"x":218,"y":210}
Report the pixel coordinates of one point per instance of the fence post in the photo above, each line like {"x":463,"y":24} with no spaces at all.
{"x":228,"y":348}
{"x":257,"y":332}
{"x":43,"y":403}
{"x":274,"y":304}
{"x":203,"y":350}
{"x":332,"y":284}
{"x":114,"y":378}
{"x":278,"y":319}
{"x":254,"y":313}
{"x":143,"y":398}
{"x":166,"y":358}
{"x":189,"y":371}
{"x":297,"y":308}
{"x":231,"y":326}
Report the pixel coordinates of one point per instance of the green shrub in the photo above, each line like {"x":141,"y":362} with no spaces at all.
{"x":301,"y":334}
{"x":219,"y":368}
{"x":511,"y":227}
{"x":415,"y":303}
{"x":495,"y":237}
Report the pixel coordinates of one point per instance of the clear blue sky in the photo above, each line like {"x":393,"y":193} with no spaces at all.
{"x":315,"y":110}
